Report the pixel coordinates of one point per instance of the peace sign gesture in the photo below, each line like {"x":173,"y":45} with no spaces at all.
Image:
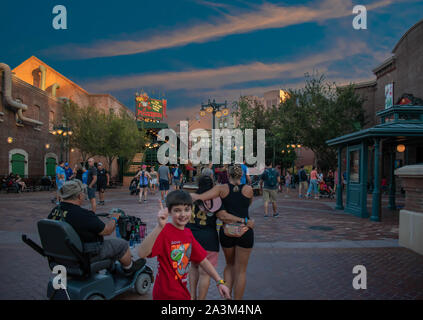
{"x":162,"y":215}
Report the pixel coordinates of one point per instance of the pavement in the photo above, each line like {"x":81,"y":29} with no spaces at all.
{"x":308,"y":252}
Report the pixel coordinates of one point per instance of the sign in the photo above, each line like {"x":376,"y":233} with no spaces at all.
{"x":149,"y":109}
{"x":389,"y":95}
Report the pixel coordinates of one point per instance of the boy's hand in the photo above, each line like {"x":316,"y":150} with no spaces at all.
{"x":162,"y":215}
{"x":224,"y":291}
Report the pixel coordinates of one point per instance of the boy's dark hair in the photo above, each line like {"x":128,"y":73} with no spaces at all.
{"x":268,"y":163}
{"x":178,"y":197}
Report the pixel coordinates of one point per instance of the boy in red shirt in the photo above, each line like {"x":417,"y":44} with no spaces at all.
{"x":175,"y":247}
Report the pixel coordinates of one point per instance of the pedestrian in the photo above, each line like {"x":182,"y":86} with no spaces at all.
{"x":313,"y":184}
{"x":60,"y":179}
{"x":245,"y":179}
{"x":154,"y":181}
{"x":78,"y":172}
{"x":103,"y":180}
{"x":203,"y":226}
{"x":236,"y":241}
{"x":287,"y":181}
{"x":271,"y":179}
{"x":222,"y":175}
{"x":144,"y":177}
{"x":208,"y":171}
{"x":92,"y":184}
{"x":68,"y":172}
{"x":303,"y":184}
{"x":176,"y":248}
{"x":177,"y":176}
{"x":164,"y":179}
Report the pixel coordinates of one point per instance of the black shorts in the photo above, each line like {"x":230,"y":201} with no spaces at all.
{"x":101,"y":187}
{"x":163,"y":184}
{"x":246,"y":241}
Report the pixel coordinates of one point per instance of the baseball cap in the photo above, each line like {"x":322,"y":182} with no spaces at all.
{"x":71,"y":188}
{"x":66,"y":164}
{"x":99,"y":164}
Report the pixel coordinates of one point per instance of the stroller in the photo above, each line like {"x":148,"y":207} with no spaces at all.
{"x":325,"y":191}
{"x":133,"y":187}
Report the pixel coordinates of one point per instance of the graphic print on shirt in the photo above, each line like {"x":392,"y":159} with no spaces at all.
{"x":180,"y":255}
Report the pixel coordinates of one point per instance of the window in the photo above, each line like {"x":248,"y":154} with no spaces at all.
{"x":51,"y":120}
{"x":354,"y":166}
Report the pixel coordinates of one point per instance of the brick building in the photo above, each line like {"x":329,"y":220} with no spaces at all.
{"x":26,"y":144}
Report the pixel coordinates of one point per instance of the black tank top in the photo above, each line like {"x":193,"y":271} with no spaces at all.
{"x":236,"y":203}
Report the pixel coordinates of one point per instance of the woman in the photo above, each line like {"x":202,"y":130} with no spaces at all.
{"x":287,"y":182}
{"x":20,"y":182}
{"x":203,"y":227}
{"x":144,"y":178}
{"x":154,"y":183}
{"x":236,"y":199}
{"x":313,"y":184}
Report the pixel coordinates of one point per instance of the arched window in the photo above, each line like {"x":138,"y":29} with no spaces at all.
{"x":18,"y":162}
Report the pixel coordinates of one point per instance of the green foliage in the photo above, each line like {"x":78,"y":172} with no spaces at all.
{"x":97,"y":133}
{"x":316,"y":113}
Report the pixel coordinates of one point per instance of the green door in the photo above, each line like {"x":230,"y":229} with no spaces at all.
{"x":18,"y":164}
{"x":51,"y":167}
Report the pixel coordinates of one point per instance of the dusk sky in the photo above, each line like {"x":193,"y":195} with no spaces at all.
{"x":192,"y":50}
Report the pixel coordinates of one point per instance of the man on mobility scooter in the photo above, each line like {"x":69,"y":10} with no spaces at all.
{"x":60,"y":243}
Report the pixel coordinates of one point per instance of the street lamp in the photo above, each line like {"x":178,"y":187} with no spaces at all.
{"x":63,"y":132}
{"x":216,"y":109}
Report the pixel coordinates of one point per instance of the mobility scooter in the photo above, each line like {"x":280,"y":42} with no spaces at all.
{"x":87,"y":278}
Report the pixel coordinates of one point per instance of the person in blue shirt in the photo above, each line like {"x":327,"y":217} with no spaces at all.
{"x":84,"y":176}
{"x":177,"y":177}
{"x":68,"y":172}
{"x":245,"y":177}
{"x":60,"y":178}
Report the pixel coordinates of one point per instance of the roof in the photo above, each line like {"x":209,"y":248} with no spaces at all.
{"x":391,"y":129}
{"x":418,"y":24}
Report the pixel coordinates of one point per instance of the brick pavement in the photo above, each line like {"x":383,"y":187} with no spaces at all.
{"x":284,"y":264}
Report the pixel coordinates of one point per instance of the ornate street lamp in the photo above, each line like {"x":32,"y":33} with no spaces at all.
{"x":63,"y":132}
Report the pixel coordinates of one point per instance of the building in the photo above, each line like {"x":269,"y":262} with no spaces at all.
{"x":393,"y":136}
{"x":36,"y":96}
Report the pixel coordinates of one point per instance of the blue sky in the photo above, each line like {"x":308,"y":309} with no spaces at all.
{"x":192,"y":50}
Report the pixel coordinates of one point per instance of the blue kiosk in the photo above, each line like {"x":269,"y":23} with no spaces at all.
{"x":400,"y":130}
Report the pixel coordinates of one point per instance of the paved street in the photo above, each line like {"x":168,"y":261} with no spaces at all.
{"x":306,"y":253}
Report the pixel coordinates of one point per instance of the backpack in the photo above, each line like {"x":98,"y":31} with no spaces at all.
{"x":271,"y":176}
{"x":303,"y":175}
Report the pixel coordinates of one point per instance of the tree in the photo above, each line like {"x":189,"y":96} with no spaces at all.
{"x":316,"y":113}
{"x":97,"y":133}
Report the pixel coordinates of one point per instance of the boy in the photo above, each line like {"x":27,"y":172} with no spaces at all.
{"x":175,"y":248}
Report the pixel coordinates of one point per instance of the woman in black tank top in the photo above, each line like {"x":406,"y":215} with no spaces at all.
{"x":236,"y":199}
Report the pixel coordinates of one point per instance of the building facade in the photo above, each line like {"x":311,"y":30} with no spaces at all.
{"x":27,"y":146}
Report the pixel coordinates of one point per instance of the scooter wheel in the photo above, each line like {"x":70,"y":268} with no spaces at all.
{"x":96,"y":297}
{"x":143,"y":283}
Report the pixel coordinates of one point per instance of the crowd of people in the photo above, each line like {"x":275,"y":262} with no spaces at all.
{"x":187,"y":245}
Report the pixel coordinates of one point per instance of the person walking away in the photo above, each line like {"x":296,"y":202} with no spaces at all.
{"x":245,"y":179}
{"x":60,"y":179}
{"x":204,"y":228}
{"x":177,"y":177}
{"x":92,"y":184}
{"x":144,"y":178}
{"x":271,"y":179}
{"x":313,"y":184}
{"x":176,"y":248}
{"x":154,"y":181}
{"x":78,"y":172}
{"x":287,"y":181}
{"x":164,"y":179}
{"x":103,"y":180}
{"x":303,"y":184}
{"x":208,"y":171}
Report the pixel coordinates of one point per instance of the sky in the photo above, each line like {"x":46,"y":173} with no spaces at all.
{"x":189,"y":51}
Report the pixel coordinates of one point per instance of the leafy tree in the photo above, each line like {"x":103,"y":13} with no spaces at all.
{"x":316,"y":113}
{"x":104,"y":134}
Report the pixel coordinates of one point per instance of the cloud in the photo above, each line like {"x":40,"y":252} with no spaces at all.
{"x":229,"y":75}
{"x":259,"y":17}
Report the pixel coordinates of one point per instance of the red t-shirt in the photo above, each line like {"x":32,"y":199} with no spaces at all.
{"x":175,"y":249}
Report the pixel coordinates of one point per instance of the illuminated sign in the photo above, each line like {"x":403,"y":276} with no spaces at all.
{"x":148,"y":109}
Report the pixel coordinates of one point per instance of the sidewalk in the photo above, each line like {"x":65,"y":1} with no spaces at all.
{"x":308,"y":252}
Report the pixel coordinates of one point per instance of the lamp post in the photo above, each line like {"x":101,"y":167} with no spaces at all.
{"x":217,"y":110}
{"x":64,"y":132}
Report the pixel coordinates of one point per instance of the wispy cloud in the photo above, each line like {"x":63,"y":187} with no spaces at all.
{"x":258,"y":17}
{"x":220,"y":77}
